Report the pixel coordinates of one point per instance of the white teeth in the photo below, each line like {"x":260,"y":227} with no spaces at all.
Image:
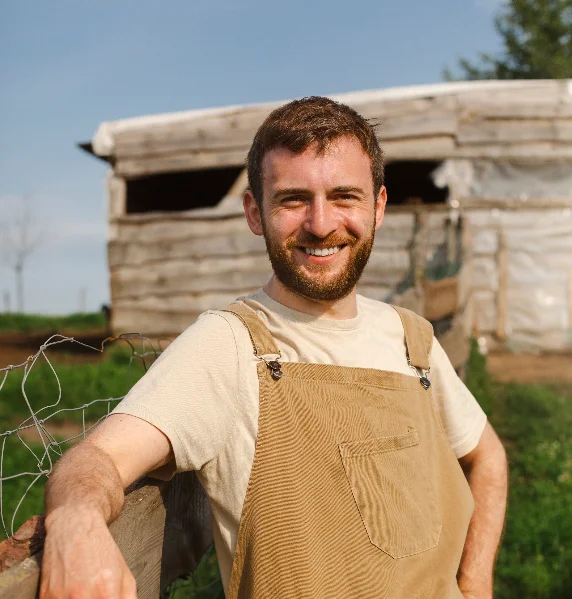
{"x":322,"y":252}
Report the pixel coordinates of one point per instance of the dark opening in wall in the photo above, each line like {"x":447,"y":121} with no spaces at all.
{"x":180,"y":191}
{"x":409,"y":182}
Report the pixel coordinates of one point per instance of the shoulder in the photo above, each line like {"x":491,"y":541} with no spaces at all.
{"x":215,"y":330}
{"x":391,"y":318}
{"x":372,"y":309}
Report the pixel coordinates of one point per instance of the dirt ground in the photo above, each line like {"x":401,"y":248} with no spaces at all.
{"x":15,"y":348}
{"x":505,"y":367}
{"x":524,"y":368}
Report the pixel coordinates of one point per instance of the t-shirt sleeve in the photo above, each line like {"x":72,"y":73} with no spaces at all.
{"x":462,"y":417}
{"x":190,"y":392}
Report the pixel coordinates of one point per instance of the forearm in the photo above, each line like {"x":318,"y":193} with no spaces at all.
{"x":85,"y":479}
{"x":487,"y":476}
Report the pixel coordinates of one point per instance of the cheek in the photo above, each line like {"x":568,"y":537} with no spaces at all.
{"x":284,"y":223}
{"x":359,"y":222}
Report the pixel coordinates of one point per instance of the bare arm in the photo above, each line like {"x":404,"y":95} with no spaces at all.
{"x":84,"y":494}
{"x":486,"y":470}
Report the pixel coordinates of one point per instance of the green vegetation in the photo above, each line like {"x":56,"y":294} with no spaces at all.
{"x":534,"y":421}
{"x":205,"y":583}
{"x":17,"y":459}
{"x":32,"y":323}
{"x":111,"y":377}
{"x":537,"y":39}
{"x":535,"y":424}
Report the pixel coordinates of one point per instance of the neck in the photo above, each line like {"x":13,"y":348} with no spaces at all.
{"x":341,"y":309}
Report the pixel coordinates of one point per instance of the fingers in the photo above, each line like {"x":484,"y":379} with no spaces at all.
{"x":113,"y":582}
{"x":129,"y":588}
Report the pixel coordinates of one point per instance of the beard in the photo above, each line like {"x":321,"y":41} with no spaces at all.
{"x":316,"y":283}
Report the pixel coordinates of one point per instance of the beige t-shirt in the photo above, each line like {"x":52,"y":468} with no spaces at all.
{"x":203,"y":392}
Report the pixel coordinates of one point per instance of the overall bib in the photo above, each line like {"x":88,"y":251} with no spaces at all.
{"x":354,"y":491}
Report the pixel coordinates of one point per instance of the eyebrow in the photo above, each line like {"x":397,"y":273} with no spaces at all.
{"x":302,"y":191}
{"x":349,"y":189}
{"x":290,"y":191}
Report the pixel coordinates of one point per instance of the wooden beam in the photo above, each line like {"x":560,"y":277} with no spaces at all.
{"x":233,"y":128}
{"x":164,"y":278}
{"x":547,"y":150}
{"x":117,"y":197}
{"x":570,"y":299}
{"x":239,"y":186}
{"x":419,"y":148}
{"x":486,"y":131}
{"x":162,"y":532}
{"x":234,"y":195}
{"x":516,"y":204}
{"x":431,"y":123}
{"x":145,"y":165}
{"x":502,"y":287}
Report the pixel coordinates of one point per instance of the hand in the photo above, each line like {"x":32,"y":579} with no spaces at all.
{"x":81,"y":559}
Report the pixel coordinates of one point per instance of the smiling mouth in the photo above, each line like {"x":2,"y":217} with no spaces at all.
{"x":322,"y":251}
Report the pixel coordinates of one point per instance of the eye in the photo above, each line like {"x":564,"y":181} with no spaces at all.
{"x":291,"y":201}
{"x":346,"y":197}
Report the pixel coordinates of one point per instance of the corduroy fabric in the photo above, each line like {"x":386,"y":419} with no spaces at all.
{"x":354,"y":490}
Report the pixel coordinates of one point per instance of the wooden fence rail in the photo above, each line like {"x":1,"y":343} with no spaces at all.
{"x":163,"y":531}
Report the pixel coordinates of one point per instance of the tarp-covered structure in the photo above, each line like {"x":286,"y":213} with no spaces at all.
{"x":496,"y":154}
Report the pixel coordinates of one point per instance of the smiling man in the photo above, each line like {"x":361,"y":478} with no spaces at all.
{"x":327,"y":429}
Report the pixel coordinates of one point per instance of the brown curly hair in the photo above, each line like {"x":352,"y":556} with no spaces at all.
{"x":300,"y":123}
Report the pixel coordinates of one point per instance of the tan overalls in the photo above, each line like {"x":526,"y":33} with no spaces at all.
{"x":355,"y":491}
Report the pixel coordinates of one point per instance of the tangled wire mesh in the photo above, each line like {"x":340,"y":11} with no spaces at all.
{"x":46,"y":448}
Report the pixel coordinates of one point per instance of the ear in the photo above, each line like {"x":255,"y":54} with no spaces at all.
{"x":252,"y":213}
{"x":380,"y":206}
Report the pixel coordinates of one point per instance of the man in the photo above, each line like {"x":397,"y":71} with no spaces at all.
{"x":326,"y":428}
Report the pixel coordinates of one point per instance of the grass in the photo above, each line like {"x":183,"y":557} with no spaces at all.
{"x":80,"y":384}
{"x":535,"y":424}
{"x":17,"y":459}
{"x":37,"y":323}
{"x":534,"y":421}
{"x":111,"y":377}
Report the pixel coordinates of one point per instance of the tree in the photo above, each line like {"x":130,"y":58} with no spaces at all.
{"x":537,"y":39}
{"x":19,"y":239}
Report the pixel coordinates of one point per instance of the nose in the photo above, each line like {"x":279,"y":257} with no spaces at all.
{"x":320,"y":218}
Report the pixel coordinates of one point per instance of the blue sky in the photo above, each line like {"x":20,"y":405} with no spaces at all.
{"x":67,"y":65}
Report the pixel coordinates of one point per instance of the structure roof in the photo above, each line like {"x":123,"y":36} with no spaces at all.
{"x":499,"y":120}
{"x":103,"y":142}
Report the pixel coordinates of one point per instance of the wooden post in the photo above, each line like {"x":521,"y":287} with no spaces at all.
{"x":162,"y":532}
{"x":502,"y":286}
{"x":117,"y":197}
{"x":419,"y":247}
{"x":570,"y":299}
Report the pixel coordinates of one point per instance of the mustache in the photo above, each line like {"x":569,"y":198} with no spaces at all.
{"x":310,"y":240}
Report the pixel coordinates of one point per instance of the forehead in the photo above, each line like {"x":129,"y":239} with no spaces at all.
{"x":344,"y":162}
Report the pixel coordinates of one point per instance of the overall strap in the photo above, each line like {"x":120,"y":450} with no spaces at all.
{"x":418,"y":337}
{"x":261,"y":338}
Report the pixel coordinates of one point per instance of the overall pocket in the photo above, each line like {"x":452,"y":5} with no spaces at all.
{"x":388,"y":479}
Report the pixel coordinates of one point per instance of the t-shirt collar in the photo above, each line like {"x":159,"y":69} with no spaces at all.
{"x":292,"y":315}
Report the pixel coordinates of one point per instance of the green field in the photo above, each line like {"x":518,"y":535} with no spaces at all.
{"x":534,"y":422}
{"x":27,"y":323}
{"x":111,"y":377}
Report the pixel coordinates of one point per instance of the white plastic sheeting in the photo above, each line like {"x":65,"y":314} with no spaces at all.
{"x":485,"y":273}
{"x":485,"y":307}
{"x":538,"y":290}
{"x":509,"y":180}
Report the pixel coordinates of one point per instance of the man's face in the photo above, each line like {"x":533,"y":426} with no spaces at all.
{"x":319,"y":217}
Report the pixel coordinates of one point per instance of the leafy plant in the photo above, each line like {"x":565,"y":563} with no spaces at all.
{"x":537,"y":39}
